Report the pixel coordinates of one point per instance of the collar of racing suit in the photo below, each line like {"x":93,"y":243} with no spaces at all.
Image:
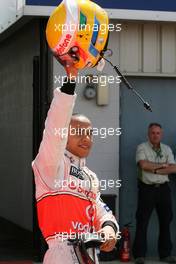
{"x":75,"y":159}
{"x":80,"y":163}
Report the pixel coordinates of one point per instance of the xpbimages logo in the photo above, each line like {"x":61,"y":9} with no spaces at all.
{"x":102,"y":79}
{"x":104,"y":28}
{"x":102,"y":132}
{"x":84,"y":185}
{"x":85,"y":235}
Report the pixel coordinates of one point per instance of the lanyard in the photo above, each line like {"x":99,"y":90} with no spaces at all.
{"x":158,"y":152}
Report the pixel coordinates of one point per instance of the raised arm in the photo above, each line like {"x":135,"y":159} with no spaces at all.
{"x":53,"y":144}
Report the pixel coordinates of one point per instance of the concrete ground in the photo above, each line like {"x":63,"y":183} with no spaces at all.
{"x":102,"y":262}
{"x":118,"y":262}
{"x":148,"y":261}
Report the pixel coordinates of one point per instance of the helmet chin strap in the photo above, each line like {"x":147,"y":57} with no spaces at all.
{"x":72,"y":53}
{"x":125,"y":81}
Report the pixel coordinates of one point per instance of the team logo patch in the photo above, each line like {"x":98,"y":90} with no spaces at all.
{"x":76,"y":173}
{"x":107,"y":208}
{"x":90,"y":212}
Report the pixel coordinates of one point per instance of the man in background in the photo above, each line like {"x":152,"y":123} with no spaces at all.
{"x":155,"y":161}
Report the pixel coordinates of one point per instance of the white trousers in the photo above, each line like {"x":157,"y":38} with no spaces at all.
{"x":61,"y":253}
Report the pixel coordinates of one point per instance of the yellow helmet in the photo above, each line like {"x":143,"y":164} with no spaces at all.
{"x":78,"y":23}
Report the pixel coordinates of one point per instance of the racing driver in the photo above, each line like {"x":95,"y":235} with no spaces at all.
{"x":67,"y":192}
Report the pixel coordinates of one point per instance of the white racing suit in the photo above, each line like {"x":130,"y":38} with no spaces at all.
{"x":67,"y":192}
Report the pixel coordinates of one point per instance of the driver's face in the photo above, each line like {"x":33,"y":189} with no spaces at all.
{"x":80,"y":137}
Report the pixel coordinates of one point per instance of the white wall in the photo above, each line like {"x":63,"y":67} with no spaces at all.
{"x":148,"y":48}
{"x":10,"y":12}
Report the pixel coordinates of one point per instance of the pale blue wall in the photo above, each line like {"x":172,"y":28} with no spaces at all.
{"x":161,"y":93}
